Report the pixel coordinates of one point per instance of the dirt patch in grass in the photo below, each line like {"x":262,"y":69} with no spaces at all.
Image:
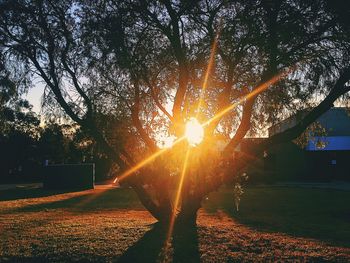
{"x":110,"y":225}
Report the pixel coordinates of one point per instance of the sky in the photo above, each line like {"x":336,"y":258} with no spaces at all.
{"x":35,"y":93}
{"x":34,"y":96}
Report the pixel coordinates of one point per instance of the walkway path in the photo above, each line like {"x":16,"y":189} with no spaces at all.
{"x":335,"y":185}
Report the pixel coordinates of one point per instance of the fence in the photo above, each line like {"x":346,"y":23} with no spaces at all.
{"x":69,"y":176}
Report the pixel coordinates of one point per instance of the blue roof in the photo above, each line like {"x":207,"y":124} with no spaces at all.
{"x":331,"y":143}
{"x":336,"y":121}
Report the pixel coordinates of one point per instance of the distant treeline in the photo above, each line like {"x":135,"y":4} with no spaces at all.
{"x":27,"y":144}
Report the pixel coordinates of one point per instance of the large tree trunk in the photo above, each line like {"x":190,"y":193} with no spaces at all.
{"x":188,"y":213}
{"x":185,"y":243}
{"x":191,"y":202}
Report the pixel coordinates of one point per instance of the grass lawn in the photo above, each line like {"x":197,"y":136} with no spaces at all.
{"x":285,"y":224}
{"x":317,"y":213}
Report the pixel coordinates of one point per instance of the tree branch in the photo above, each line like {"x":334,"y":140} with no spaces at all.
{"x":338,"y":90}
{"x":232,"y":168}
{"x":175,"y":41}
{"x":243,"y":128}
{"x":67,"y":36}
{"x":136,"y":120}
{"x":159,"y":105}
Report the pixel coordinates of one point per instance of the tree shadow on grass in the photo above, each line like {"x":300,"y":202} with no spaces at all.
{"x":153,"y":246}
{"x":185,"y":244}
{"x":32,"y":192}
{"x":88,"y":201}
{"x":309,"y":213}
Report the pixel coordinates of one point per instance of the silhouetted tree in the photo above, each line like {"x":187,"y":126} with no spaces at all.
{"x":131,"y":60}
{"x":19,"y":131}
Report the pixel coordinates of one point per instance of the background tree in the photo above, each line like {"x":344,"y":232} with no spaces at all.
{"x":19,"y":131}
{"x":132,"y":60}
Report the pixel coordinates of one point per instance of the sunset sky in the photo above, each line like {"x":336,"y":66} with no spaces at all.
{"x":34,"y":96}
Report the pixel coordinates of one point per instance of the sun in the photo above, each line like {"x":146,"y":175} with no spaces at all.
{"x":194,"y":132}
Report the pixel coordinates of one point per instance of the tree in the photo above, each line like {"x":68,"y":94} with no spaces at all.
{"x":212,"y":60}
{"x":19,"y":130}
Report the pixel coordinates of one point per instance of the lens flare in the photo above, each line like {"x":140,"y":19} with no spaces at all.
{"x":194,"y":132}
{"x":178,"y":195}
{"x":255,"y":92}
{"x":168,"y":142}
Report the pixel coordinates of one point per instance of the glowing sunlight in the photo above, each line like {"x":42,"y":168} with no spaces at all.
{"x":194,"y":132}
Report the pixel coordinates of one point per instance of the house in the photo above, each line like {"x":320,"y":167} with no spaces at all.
{"x":324,"y":157}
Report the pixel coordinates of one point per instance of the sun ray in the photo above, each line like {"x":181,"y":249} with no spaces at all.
{"x":255,"y":92}
{"x":138,"y":166}
{"x":207,"y":73}
{"x":144,"y":162}
{"x":93,"y":194}
{"x":178,"y":195}
{"x":192,"y":139}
